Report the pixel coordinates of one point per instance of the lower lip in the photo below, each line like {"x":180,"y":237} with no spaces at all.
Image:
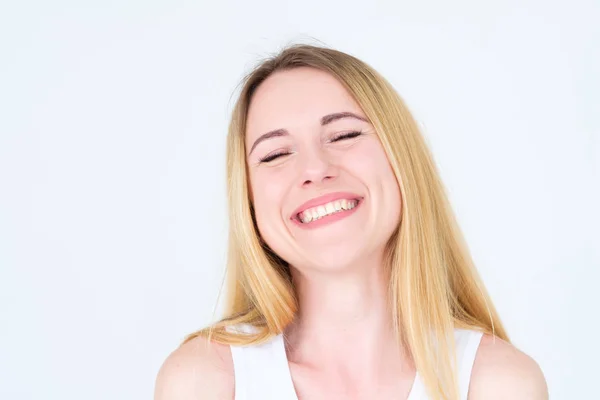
{"x":328,"y":219}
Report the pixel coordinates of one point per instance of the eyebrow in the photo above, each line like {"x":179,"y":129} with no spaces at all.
{"x":327,"y":119}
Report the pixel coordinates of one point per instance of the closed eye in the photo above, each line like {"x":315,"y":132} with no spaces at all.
{"x":277,"y":154}
{"x":347,"y":135}
{"x":273,"y":156}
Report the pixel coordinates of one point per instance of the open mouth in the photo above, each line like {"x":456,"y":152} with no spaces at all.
{"x":327,"y":210}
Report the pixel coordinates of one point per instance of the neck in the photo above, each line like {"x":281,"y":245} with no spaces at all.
{"x":342,"y":311}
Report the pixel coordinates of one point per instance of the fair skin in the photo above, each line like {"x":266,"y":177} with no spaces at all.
{"x":336,"y":266}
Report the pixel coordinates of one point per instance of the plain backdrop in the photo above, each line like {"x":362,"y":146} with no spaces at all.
{"x":113,"y":118}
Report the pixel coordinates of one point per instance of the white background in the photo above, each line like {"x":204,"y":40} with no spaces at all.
{"x":113,"y":117}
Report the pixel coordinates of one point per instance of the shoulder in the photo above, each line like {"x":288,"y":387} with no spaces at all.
{"x":198,"y":369}
{"x":501,"y":371}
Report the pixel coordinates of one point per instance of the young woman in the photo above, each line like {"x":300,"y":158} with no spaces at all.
{"x":348,"y":277}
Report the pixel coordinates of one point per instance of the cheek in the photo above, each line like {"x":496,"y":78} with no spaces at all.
{"x":370,"y":162}
{"x":390,"y":190}
{"x":268,"y":194}
{"x":389,"y":183}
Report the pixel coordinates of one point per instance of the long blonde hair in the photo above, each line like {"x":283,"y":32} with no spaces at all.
{"x":433,"y":286}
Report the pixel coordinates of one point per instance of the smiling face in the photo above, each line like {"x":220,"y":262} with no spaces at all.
{"x":324,"y":193}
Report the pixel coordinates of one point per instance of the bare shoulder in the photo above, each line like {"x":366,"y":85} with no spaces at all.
{"x":501,"y":371}
{"x":197,"y":369}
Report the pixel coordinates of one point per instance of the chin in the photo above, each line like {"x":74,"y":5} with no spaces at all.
{"x":332,"y":261}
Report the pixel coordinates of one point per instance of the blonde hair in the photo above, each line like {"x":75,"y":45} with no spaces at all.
{"x":433,"y":286}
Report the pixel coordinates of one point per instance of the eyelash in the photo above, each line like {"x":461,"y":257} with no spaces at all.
{"x":342,"y":136}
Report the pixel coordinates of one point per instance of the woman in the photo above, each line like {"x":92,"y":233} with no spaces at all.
{"x":348,"y":277}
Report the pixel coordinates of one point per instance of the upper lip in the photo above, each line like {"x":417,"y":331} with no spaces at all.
{"x":318,"y":201}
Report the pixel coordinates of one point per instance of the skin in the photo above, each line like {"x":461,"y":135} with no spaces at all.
{"x":337,"y":268}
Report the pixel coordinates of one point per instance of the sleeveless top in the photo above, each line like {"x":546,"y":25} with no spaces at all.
{"x":262,"y":372}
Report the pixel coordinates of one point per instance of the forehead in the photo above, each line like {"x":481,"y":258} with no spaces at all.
{"x":296,"y":98}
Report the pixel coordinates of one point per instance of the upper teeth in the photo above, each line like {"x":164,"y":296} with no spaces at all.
{"x":333,"y":207}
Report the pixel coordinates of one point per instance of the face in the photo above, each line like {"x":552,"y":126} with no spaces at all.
{"x":324,"y":193}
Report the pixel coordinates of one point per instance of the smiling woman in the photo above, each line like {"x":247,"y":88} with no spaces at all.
{"x":348,"y":276}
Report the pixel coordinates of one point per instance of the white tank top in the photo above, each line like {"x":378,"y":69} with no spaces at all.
{"x":262,"y":372}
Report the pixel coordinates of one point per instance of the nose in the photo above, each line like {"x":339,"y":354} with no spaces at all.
{"x":316,"y":168}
